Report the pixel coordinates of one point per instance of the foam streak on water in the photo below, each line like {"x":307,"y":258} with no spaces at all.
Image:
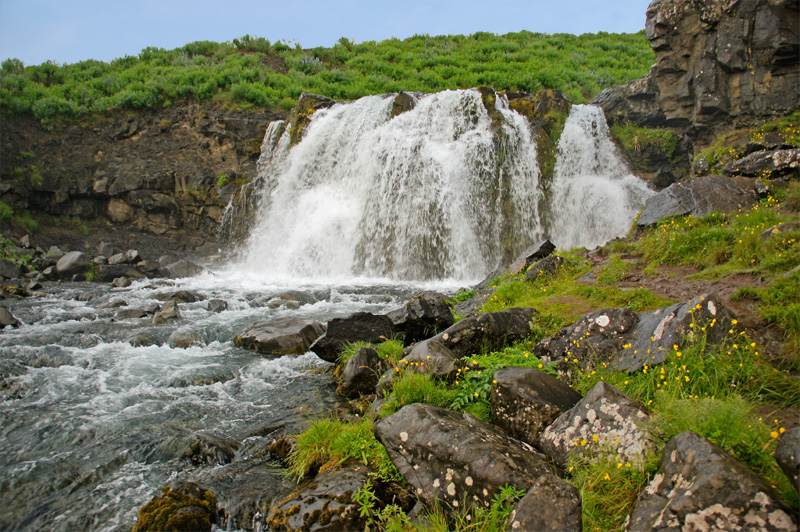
{"x":432,"y":193}
{"x":595,"y":198}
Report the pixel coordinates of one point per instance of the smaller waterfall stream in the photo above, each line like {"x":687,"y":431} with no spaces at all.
{"x":594,"y":198}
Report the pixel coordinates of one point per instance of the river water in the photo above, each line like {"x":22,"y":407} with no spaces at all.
{"x":97,"y":411}
{"x":92,"y":426}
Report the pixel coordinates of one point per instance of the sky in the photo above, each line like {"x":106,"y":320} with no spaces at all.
{"x":68,"y":31}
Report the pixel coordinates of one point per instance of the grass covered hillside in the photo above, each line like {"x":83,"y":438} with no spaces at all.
{"x":251,"y":71}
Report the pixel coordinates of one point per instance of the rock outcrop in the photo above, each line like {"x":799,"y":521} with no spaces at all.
{"x":160,"y":171}
{"x":720,"y":65}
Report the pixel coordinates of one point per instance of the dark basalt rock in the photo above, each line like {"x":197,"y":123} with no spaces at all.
{"x":288,"y":335}
{"x":422,"y":317}
{"x":431,"y":357}
{"x":455,"y":458}
{"x":183,"y":268}
{"x":788,"y":455}
{"x":552,"y":505}
{"x":181,"y":507}
{"x":211,"y":449}
{"x":775,"y":164}
{"x":245,"y":489}
{"x":359,"y":327}
{"x":184,"y":296}
{"x":605,"y":420}
{"x":326,"y":504}
{"x":217,"y":305}
{"x":546,"y":267}
{"x":73,"y":263}
{"x":487,"y":332}
{"x":628,"y":341}
{"x":7,"y":319}
{"x":8,"y":270}
{"x":361,"y":373}
{"x":169,"y":311}
{"x":525,"y":401}
{"x":699,"y":487}
{"x":106,"y":273}
{"x":536,"y":252}
{"x":699,"y":196}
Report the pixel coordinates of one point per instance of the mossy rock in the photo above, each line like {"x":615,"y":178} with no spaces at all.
{"x":300,"y":116}
{"x":181,"y":507}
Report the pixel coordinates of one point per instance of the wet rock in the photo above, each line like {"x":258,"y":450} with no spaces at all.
{"x":13,"y":290}
{"x":183,"y":268}
{"x":699,"y":196}
{"x":217,"y":305}
{"x":422,"y":317}
{"x":211,"y":449}
{"x":182,"y":339}
{"x":50,"y":273}
{"x":326,"y":504}
{"x":72,"y":263}
{"x":7,"y":319}
{"x":130,"y":313}
{"x":121,"y":282}
{"x":183,"y":296}
{"x":182,"y":506}
{"x":606,"y":420}
{"x":33,"y":285}
{"x":8,"y":270}
{"x":552,"y":505}
{"x":106,"y":273}
{"x":361,"y":373}
{"x":699,"y":487}
{"x":455,"y":458}
{"x":487,"y":332}
{"x":787,"y":455}
{"x":359,"y":327}
{"x":169,"y":311}
{"x":547,"y":267}
{"x":288,"y":335}
{"x":536,"y":252}
{"x":525,"y":401}
{"x":277,"y":302}
{"x":151,"y":268}
{"x":245,"y":489}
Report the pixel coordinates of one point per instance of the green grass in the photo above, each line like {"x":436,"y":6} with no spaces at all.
{"x":273,"y":75}
{"x":637,"y":139}
{"x":390,"y":350}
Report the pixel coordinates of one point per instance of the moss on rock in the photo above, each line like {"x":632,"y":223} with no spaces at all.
{"x":181,"y":507}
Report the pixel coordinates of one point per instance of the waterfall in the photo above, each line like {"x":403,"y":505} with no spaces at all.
{"x":594,"y":197}
{"x":440,"y":191}
{"x":446,"y":190}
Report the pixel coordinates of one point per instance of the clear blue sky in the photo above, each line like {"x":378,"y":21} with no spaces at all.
{"x":68,"y":31}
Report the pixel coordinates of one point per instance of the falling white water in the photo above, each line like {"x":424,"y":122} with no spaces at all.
{"x":594,"y":197}
{"x":437,"y":192}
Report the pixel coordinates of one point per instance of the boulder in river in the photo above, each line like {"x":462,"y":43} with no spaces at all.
{"x":7,"y":319}
{"x":422,"y":317}
{"x":287,"y":335}
{"x":183,"y":268}
{"x":328,"y":503}
{"x":181,"y":507}
{"x":72,"y":263}
{"x":361,"y":373}
{"x":169,"y":311}
{"x":358,"y":327}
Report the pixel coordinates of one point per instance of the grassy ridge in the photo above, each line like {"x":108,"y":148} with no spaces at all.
{"x":251,"y":71}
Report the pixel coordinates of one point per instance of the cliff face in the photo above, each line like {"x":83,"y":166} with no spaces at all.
{"x":167,"y":172}
{"x":724,"y":62}
{"x":720,"y":65}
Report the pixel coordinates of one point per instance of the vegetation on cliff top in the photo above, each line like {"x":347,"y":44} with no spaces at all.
{"x":251,"y":71}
